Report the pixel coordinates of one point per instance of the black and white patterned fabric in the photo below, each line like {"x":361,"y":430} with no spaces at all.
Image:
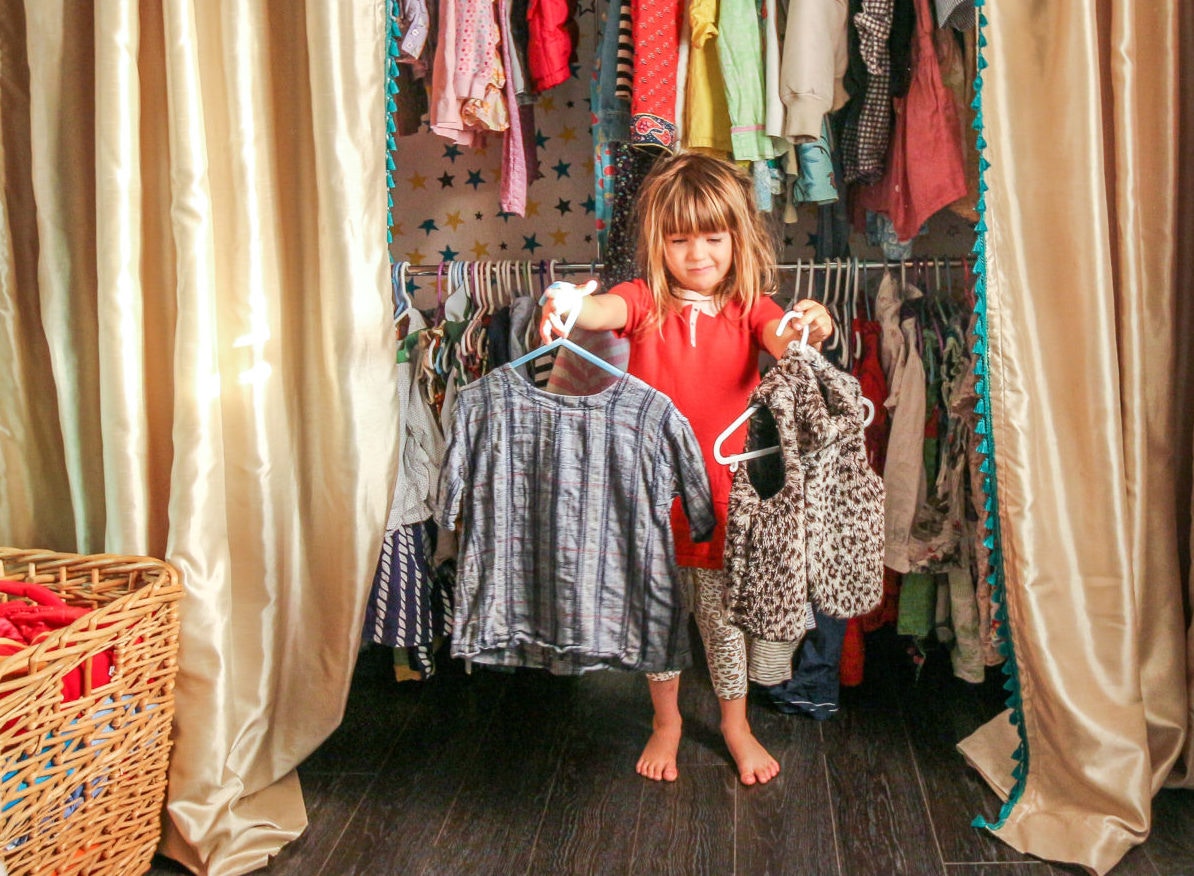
{"x":866,"y":133}
{"x":817,"y":533}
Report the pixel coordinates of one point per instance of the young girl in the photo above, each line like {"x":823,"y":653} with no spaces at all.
{"x":696,"y":322}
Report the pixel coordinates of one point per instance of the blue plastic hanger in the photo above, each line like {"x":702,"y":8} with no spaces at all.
{"x":568,"y":345}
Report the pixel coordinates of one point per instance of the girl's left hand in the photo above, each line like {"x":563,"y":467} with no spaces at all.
{"x":814,"y":315}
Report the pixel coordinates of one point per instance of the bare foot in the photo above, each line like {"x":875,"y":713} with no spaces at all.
{"x":658,"y":760}
{"x":755,"y":764}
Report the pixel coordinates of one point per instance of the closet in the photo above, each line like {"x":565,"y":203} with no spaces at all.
{"x":471,"y":258}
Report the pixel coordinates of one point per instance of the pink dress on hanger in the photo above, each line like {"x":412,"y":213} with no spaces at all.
{"x":925,"y":170}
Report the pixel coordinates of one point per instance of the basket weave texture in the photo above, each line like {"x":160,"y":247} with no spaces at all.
{"x":83,"y":775}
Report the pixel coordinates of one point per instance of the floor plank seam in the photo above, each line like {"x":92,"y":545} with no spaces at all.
{"x":837,"y":845}
{"x":985,"y":864}
{"x":734,"y":836}
{"x":367,"y":791}
{"x":638,"y":820}
{"x":481,"y":737}
{"x":551,"y":787}
{"x":920,"y":783}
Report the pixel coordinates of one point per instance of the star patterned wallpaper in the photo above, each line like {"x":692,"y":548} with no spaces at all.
{"x":446,"y":197}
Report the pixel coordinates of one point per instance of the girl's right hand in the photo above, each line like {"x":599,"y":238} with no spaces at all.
{"x":562,"y":303}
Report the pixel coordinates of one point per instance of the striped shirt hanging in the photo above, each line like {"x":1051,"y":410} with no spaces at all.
{"x":567,"y":559}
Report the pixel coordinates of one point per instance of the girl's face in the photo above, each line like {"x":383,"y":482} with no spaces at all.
{"x":699,"y":261}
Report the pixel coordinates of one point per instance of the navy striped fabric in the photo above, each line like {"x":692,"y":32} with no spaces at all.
{"x":408,"y":606}
{"x":567,"y":560}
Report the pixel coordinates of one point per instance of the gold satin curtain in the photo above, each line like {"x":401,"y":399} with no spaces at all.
{"x":1091,"y":304}
{"x":196,"y":358}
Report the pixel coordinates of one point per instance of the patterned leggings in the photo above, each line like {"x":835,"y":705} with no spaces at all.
{"x":727,"y":647}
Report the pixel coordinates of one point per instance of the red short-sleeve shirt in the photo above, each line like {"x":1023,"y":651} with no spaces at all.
{"x":709,"y":381}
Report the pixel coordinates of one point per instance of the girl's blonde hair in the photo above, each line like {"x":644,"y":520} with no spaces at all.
{"x":693,"y":193}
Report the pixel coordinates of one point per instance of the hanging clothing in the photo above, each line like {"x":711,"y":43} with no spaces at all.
{"x":408,"y":606}
{"x":630,"y":167}
{"x":817,"y":534}
{"x":513,"y":195}
{"x":958,"y":59}
{"x":657,"y":27}
{"x":873,"y":383}
{"x":611,"y":119}
{"x":468,"y":75}
{"x":405,"y":608}
{"x":814,"y":688}
{"x":625,"y":74}
{"x":925,"y":170}
{"x":869,"y":371}
{"x":868,"y":125}
{"x":814,"y":65}
{"x":958,"y":14}
{"x":740,"y":51}
{"x":420,"y":444}
{"x":707,"y":115}
{"x":938,"y":529}
{"x":551,"y":572}
{"x":903,"y":471}
{"x":552,"y":43}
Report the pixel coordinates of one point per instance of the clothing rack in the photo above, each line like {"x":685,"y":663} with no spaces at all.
{"x":824,"y":264}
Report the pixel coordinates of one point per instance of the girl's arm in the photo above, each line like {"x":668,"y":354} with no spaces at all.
{"x":597,"y":313}
{"x":813,"y":314}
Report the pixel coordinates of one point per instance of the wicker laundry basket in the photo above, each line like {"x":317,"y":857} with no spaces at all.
{"x":85,"y":717}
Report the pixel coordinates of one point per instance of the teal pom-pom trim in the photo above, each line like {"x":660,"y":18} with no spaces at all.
{"x":393,"y":51}
{"x":986,"y":447}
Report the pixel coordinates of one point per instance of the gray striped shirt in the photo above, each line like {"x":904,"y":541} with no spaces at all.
{"x":567,"y":560}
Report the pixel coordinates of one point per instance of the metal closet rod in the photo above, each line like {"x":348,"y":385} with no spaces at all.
{"x":824,"y":264}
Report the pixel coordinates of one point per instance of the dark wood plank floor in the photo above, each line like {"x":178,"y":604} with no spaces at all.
{"x":513,"y":773}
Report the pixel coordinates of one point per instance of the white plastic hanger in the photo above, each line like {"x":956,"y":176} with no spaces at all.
{"x":733,"y":460}
{"x":402,"y":302}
